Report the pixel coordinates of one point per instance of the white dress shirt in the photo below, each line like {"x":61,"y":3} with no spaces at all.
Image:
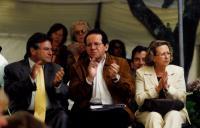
{"x":100,"y":93}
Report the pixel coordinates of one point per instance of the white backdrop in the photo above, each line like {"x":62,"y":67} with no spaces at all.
{"x":19,"y":20}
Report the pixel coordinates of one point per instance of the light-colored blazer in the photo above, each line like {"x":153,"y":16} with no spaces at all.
{"x":146,"y":83}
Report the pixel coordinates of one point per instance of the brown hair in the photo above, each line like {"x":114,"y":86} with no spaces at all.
{"x":151,"y":52}
{"x":23,"y":119}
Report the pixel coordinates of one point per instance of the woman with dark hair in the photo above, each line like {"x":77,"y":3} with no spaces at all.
{"x":117,"y":48}
{"x":159,"y":79}
{"x":58,"y":35}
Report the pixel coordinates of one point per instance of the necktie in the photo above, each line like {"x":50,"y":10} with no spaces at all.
{"x":40,"y":96}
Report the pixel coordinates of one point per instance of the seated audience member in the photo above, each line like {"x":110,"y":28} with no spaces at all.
{"x":3,"y":63}
{"x":58,"y":35}
{"x":117,"y":48}
{"x":3,"y":107}
{"x":102,"y":79}
{"x":78,"y":31}
{"x":137,"y":58}
{"x":23,"y":119}
{"x":156,"y":78}
{"x":34,"y":84}
{"x":66,"y":60}
{"x":137,"y":61}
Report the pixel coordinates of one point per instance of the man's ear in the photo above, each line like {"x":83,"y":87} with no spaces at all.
{"x":107,"y":46}
{"x":32,"y":51}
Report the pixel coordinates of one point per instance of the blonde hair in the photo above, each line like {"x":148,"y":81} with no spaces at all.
{"x":74,"y":24}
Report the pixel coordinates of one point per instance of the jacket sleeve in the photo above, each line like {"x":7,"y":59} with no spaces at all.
{"x":125,"y":87}
{"x":17,"y":80}
{"x":141,"y":92}
{"x":79,"y":89}
{"x":177,"y":87}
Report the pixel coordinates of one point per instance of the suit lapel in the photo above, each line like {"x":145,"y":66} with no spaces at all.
{"x":150,"y":78}
{"x":108,"y":62}
{"x":171,"y":75}
{"x":26,"y":67}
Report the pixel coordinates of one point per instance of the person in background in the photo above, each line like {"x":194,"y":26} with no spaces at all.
{"x":100,"y":78}
{"x":137,"y":58}
{"x":3,"y":63}
{"x":3,"y":107}
{"x":117,"y":48}
{"x":23,"y":119}
{"x":34,"y":84}
{"x":156,"y":77}
{"x":78,"y":30}
{"x":58,"y":34}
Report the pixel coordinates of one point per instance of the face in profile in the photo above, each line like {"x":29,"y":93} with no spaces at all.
{"x":43,"y":53}
{"x":95,"y":47}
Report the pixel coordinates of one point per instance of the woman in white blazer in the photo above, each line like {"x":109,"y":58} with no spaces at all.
{"x":159,"y":76}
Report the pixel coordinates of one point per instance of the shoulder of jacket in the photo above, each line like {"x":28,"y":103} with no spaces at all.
{"x":14,"y":64}
{"x":145,"y":69}
{"x":174,"y":67}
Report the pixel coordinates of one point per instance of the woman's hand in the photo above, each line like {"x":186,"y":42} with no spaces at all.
{"x":162,"y":83}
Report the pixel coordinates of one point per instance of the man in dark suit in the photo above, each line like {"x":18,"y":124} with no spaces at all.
{"x":100,"y":78}
{"x":20,"y":82}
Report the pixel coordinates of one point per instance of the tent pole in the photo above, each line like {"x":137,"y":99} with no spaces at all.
{"x":180,"y":21}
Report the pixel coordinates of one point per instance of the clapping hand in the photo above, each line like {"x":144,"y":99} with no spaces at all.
{"x":113,"y":70}
{"x":58,"y":77}
{"x":163,"y":82}
{"x":35,"y":69}
{"x":92,"y":69}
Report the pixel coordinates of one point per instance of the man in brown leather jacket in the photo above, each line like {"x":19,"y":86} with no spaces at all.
{"x":100,"y":78}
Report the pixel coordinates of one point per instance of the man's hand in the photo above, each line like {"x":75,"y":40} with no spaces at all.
{"x":92,"y":70}
{"x":35,"y":69}
{"x":113,"y":70}
{"x":58,"y":77}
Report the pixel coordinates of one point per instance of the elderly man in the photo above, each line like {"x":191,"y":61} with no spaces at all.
{"x":102,"y":79}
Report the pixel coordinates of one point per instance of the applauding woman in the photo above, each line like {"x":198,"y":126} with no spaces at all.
{"x":160,"y":80}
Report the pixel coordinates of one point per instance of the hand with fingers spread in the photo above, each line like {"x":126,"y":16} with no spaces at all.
{"x":58,"y":77}
{"x":113,"y":70}
{"x":92,"y":69}
{"x":35,"y":69}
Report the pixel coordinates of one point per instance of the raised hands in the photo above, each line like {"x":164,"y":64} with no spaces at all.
{"x":163,"y":82}
{"x":35,"y":69}
{"x":92,"y":69}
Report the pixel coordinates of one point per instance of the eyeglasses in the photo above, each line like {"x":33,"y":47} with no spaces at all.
{"x":164,"y":54}
{"x":96,"y":45}
{"x":79,"y":32}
